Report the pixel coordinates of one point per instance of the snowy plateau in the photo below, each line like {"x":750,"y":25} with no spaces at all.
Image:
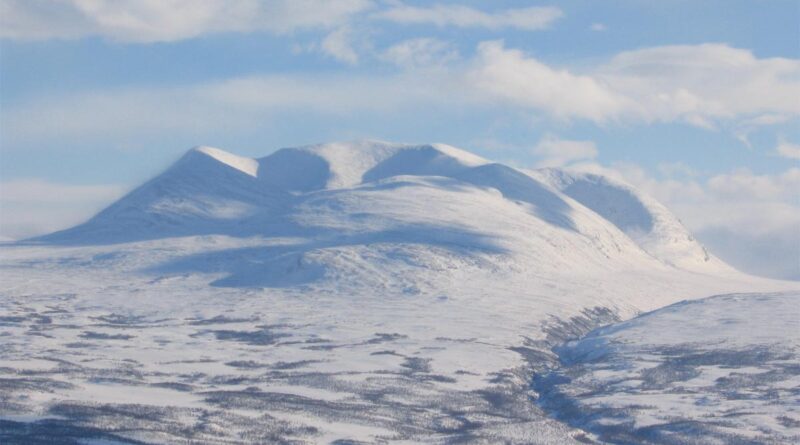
{"x":369,"y":292}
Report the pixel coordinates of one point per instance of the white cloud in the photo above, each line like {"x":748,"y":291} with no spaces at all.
{"x":702,"y":83}
{"x":421,"y":52}
{"x":748,"y":126}
{"x":557,"y":152}
{"x":631,"y":88}
{"x":144,"y":21}
{"x":599,"y":27}
{"x":338,"y":45}
{"x":30,"y":207}
{"x":510,"y":75}
{"x":767,"y":119}
{"x":530,"y":19}
{"x":788,"y":149}
{"x":167,"y":20}
{"x":707,"y":85}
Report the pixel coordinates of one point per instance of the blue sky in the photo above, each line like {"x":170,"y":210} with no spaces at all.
{"x":695,"y":102}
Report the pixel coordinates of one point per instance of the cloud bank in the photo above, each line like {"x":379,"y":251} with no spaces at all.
{"x":143,"y":21}
{"x":705,"y":85}
{"x":702,"y":85}
{"x":146,"y":21}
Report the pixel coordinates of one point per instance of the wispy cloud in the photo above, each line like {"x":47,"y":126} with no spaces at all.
{"x":338,"y":44}
{"x":700,"y":85}
{"x":421,"y":52}
{"x":529,"y":19}
{"x":787,"y":149}
{"x":748,"y":126}
{"x":707,"y":85}
{"x":167,"y":20}
{"x":145,"y":21}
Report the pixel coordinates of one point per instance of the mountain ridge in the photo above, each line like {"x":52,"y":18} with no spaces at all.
{"x":211,"y":191}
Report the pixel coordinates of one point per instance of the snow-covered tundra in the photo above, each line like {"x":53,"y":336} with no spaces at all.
{"x":376,"y":292}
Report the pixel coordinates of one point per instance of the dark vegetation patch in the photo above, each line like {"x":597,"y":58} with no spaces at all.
{"x":54,"y":432}
{"x":91,"y":335}
{"x":221,"y":319}
{"x":264,"y":335}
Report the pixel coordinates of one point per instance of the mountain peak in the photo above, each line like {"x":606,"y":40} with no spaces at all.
{"x":243,"y":164}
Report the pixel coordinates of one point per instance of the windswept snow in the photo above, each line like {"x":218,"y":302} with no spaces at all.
{"x":361,"y":291}
{"x":246,"y":165}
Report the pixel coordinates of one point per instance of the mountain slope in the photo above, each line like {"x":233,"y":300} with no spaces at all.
{"x":206,"y":191}
{"x":647,"y":222}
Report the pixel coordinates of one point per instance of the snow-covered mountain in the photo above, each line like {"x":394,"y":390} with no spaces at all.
{"x":374,"y":189}
{"x":361,"y":291}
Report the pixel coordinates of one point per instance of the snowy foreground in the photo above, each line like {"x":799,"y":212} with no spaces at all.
{"x":372,"y":292}
{"x":725,"y":369}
